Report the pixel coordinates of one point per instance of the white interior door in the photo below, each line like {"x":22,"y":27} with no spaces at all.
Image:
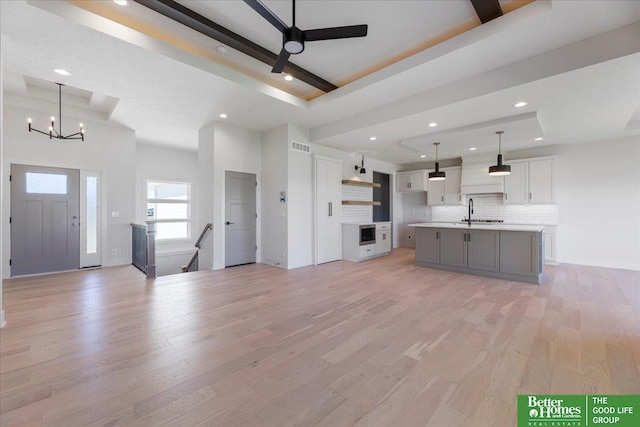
{"x":45,"y":219}
{"x":328,"y":192}
{"x":240,"y":224}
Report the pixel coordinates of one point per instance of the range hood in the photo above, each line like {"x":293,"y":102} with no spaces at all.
{"x":476,"y":180}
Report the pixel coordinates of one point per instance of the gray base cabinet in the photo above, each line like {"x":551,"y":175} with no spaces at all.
{"x":510,"y":255}
{"x":428,"y":245}
{"x":483,"y":250}
{"x":520,"y":253}
{"x":469,"y":248}
{"x":453,"y":247}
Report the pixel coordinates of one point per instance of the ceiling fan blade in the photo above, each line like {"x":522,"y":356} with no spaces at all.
{"x":281,"y":61}
{"x":335,"y":33}
{"x":266,"y":13}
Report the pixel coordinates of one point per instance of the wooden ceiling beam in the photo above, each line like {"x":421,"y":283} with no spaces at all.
{"x":487,"y":9}
{"x":197,"y":22}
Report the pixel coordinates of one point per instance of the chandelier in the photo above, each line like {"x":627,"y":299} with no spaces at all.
{"x":57,"y":133}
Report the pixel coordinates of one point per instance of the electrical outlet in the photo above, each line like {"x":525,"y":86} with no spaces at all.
{"x":115,"y":214}
{"x":114,"y":252}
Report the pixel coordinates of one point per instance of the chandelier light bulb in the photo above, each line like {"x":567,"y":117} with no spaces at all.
{"x":29,"y":120}
{"x":53,"y":119}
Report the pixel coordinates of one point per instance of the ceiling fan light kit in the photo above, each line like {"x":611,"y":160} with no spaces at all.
{"x":293,"y":38}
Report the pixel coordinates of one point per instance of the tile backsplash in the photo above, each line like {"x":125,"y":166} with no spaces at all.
{"x":356,"y":213}
{"x":489,"y":206}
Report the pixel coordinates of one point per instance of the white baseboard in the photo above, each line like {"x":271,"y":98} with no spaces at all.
{"x":3,"y":322}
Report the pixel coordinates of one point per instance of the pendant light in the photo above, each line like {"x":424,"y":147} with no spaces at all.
{"x":437,"y":175}
{"x":500,"y":169}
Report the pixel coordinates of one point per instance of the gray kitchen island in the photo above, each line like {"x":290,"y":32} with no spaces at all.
{"x":504,"y":251}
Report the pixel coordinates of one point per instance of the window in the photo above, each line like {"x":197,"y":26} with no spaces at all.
{"x":169,"y":203}
{"x":46,"y":183}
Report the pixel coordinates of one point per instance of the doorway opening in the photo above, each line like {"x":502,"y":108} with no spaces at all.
{"x":382,"y":212}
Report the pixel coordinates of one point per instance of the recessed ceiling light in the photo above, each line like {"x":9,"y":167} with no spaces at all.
{"x":538,"y":138}
{"x":520,"y":104}
{"x":373,"y":138}
{"x":221,"y":48}
{"x":288,"y":78}
{"x":423,"y":155}
{"x":61,"y":71}
{"x":223,"y":116}
{"x":433,"y":124}
{"x":120,"y":2}
{"x":472,"y":149}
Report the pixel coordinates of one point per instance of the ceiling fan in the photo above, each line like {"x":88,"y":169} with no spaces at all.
{"x":293,"y":38}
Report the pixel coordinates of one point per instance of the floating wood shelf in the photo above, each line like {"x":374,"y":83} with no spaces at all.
{"x":360,"y":202}
{"x":360,"y":183}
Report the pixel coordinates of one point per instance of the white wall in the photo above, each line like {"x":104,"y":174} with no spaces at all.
{"x":300,"y":213}
{"x":235,"y":149}
{"x":274,"y":180}
{"x":108,"y":149}
{"x":599,"y":198}
{"x":205,"y":194}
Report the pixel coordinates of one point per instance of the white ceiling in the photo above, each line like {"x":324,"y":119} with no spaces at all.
{"x":576,"y":63}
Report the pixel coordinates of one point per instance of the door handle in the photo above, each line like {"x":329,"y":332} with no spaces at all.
{"x":229,"y":223}
{"x":330,"y":209}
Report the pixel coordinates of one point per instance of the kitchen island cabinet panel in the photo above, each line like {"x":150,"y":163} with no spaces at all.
{"x":520,"y":253}
{"x":428,"y":245}
{"x":453,"y":247}
{"x":506,"y":251}
{"x":483,"y":250}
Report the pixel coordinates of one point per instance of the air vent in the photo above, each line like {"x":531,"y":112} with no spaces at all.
{"x":298,"y":146}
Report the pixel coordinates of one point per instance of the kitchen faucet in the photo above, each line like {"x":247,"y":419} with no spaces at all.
{"x":470,"y":211}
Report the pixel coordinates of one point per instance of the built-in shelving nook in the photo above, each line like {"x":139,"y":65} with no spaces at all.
{"x":360,"y":184}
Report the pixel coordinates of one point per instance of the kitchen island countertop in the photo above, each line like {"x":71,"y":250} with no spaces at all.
{"x":476,"y":226}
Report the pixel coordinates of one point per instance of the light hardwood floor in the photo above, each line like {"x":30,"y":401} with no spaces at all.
{"x":377,"y":343}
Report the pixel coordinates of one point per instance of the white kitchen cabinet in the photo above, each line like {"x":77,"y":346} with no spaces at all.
{"x":353,"y":251}
{"x":445,"y":192}
{"x":550,"y":241}
{"x":328,"y":208}
{"x":411,"y":181}
{"x":516,"y":184}
{"x":531,"y":181}
{"x":542,"y":177}
{"x":383,"y":238}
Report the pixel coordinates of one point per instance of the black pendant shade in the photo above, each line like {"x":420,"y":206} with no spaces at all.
{"x":500,"y":169}
{"x":437,"y":175}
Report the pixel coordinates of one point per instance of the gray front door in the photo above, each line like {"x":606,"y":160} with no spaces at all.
{"x":240,"y":218}
{"x":45,"y":223}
